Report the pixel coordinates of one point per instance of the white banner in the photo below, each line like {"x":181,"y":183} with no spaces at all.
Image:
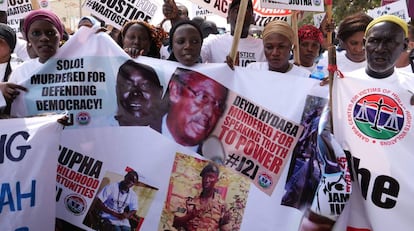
{"x":373,"y":122}
{"x":317,"y":19}
{"x":18,"y":9}
{"x":3,"y":5}
{"x":75,"y":81}
{"x":28,"y":172}
{"x":303,"y":5}
{"x":168,"y":181}
{"x":117,"y":13}
{"x":200,"y":11}
{"x":262,"y":15}
{"x":257,"y":137}
{"x":397,"y":8}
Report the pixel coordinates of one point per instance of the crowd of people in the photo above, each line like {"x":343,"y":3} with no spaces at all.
{"x":378,"y":49}
{"x":195,"y":41}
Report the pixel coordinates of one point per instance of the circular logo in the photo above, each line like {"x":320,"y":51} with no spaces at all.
{"x":317,"y":2}
{"x":264,"y":180}
{"x":44,"y":3}
{"x":378,"y":116}
{"x":75,"y":204}
{"x":83,"y":118}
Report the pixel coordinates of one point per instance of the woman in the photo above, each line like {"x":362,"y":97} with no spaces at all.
{"x":7,"y":45}
{"x":310,"y":43}
{"x":278,"y":42}
{"x":351,"y":38}
{"x":186,"y":40}
{"x":43,"y":31}
{"x":140,"y":38}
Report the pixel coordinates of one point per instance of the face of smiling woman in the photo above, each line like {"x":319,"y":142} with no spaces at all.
{"x":44,"y":38}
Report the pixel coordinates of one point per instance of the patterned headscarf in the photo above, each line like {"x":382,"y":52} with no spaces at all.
{"x":42,"y":14}
{"x":309,"y":32}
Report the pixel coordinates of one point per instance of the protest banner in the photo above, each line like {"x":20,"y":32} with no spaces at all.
{"x":3,"y":5}
{"x":385,"y":2}
{"x":27,"y":172}
{"x":257,"y":142}
{"x":373,"y":122}
{"x":78,"y":83}
{"x":18,"y":9}
{"x":200,"y":11}
{"x":261,"y":15}
{"x":170,"y":179}
{"x":117,"y":13}
{"x":265,"y":15}
{"x":269,"y":128}
{"x":302,"y":5}
{"x":317,"y":19}
{"x":398,"y":8}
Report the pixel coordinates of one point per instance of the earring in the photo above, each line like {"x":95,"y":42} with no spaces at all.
{"x":29,"y":44}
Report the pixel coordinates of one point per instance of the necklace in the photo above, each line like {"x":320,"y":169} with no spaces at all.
{"x":119,"y":206}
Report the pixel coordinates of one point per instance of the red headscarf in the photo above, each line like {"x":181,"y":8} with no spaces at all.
{"x":309,"y":32}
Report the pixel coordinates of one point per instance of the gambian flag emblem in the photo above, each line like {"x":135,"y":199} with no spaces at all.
{"x":378,"y":116}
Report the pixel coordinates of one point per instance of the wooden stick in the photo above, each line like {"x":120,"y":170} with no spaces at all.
{"x":329,"y":19}
{"x":238,"y":29}
{"x":331,"y":60}
{"x":296,"y":55}
{"x":35,"y":5}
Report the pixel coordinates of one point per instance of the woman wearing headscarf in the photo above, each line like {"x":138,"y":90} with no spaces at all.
{"x":7,"y":45}
{"x":310,"y":43}
{"x":278,"y":43}
{"x":43,"y":31}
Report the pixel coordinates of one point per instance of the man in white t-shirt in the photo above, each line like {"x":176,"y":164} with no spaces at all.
{"x":216,"y":48}
{"x":376,"y":104}
{"x":118,"y":202}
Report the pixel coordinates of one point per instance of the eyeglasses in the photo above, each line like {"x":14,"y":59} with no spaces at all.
{"x":203,"y":98}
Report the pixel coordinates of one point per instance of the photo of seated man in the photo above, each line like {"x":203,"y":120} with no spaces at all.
{"x":121,"y":202}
